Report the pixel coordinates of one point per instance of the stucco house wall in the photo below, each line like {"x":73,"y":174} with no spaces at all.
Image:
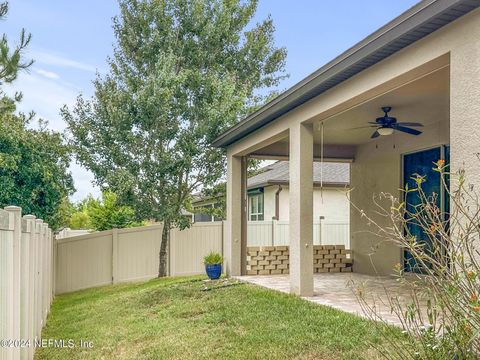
{"x":374,"y":171}
{"x":335,"y":206}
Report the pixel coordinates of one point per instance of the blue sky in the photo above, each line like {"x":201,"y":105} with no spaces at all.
{"x":72,"y":39}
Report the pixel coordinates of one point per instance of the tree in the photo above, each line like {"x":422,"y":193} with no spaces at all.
{"x":11,"y":61}
{"x":33,"y":161}
{"x":33,"y":167}
{"x":182,"y":72}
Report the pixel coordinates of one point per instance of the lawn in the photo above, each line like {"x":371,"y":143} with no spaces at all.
{"x":175,"y":318}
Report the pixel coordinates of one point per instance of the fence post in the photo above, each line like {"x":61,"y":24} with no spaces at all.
{"x":30,"y":229}
{"x":114,"y":255}
{"x":320,"y":228}
{"x":45,"y":273}
{"x":170,"y":250}
{"x":274,"y":229}
{"x":38,"y":295}
{"x":17,"y":236}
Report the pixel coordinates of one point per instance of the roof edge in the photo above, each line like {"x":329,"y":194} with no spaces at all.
{"x":421,"y":13}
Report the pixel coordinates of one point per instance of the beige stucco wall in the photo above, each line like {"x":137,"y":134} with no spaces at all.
{"x":335,"y":206}
{"x":377,"y":170}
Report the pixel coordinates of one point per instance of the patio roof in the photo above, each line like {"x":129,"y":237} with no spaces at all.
{"x":414,"y":24}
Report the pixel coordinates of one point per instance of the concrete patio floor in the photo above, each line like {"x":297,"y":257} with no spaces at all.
{"x":335,"y":290}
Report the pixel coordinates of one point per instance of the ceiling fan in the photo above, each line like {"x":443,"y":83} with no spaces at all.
{"x":387,"y":124}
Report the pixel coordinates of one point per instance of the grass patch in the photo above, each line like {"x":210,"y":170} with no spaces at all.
{"x":179,"y":318}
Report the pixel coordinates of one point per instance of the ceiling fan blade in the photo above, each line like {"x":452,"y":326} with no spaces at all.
{"x":406,"y":130}
{"x":363,"y":127}
{"x":373,"y":122}
{"x":375,"y":135}
{"x":409,"y":124}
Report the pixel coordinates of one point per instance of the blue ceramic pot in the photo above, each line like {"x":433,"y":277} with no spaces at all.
{"x":213,"y":271}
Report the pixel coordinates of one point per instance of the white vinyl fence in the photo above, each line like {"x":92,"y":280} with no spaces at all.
{"x":132,"y":254}
{"x":26,"y":281}
{"x":275,"y":232}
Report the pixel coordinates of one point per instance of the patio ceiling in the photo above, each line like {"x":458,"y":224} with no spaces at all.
{"x":424,"y":100}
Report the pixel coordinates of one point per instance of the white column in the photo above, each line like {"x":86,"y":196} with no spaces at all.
{"x":301,"y":209}
{"x":234,"y":247}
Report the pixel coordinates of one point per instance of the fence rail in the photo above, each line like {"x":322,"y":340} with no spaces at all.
{"x":276,"y":233}
{"x":26,"y":281}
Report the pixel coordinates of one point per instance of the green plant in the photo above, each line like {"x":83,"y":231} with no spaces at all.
{"x":107,"y":213}
{"x":441,"y":312}
{"x":213,"y":258}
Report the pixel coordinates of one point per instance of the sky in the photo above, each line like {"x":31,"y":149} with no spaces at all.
{"x":71,"y":41}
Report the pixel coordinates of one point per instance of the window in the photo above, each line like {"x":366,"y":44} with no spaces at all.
{"x":256,"y":207}
{"x":201,"y":217}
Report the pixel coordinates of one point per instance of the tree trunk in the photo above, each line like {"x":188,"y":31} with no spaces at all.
{"x":162,"y":267}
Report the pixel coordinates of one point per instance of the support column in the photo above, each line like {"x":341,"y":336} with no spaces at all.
{"x":301,"y":210}
{"x":235,"y":241}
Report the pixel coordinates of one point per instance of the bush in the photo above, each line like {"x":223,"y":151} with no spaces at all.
{"x":442,"y":316}
{"x":213,"y":258}
{"x":103,"y":214}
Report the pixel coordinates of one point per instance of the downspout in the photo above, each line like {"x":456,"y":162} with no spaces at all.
{"x":277,"y":202}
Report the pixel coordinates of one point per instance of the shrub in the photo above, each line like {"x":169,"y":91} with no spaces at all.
{"x":213,"y":258}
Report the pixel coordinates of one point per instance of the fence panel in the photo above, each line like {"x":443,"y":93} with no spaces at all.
{"x":189,"y":246}
{"x":84,"y":261}
{"x":276,"y":233}
{"x":260,"y":233}
{"x":335,"y":233}
{"x":138,"y":250}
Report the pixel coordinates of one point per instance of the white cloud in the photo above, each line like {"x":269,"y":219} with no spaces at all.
{"x":45,"y":95}
{"x":48,"y":58}
{"x":47,"y":74}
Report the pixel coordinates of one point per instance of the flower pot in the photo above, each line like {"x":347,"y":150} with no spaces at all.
{"x":213,"y":271}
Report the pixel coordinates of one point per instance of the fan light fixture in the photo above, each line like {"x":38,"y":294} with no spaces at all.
{"x":386,"y":125}
{"x":384,"y":131}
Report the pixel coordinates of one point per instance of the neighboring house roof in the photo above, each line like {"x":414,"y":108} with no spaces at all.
{"x":334,"y":174}
{"x":417,"y":22}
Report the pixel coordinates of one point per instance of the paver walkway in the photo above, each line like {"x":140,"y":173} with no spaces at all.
{"x":335,"y":290}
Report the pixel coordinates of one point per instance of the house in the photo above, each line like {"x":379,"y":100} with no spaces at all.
{"x":425,"y":66}
{"x":268,"y":194}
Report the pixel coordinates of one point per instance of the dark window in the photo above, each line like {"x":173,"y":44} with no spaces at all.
{"x":201,"y":217}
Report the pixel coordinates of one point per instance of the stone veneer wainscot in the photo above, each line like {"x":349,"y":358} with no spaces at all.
{"x":272,"y":260}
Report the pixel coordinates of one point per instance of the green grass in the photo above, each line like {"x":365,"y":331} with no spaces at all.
{"x":173,"y":318}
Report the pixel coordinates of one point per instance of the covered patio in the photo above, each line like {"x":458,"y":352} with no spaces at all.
{"x":425,"y":66}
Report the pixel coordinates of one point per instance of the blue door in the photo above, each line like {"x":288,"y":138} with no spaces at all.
{"x":422,"y":163}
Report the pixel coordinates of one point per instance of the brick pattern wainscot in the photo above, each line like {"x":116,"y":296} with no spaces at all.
{"x":271,"y":260}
